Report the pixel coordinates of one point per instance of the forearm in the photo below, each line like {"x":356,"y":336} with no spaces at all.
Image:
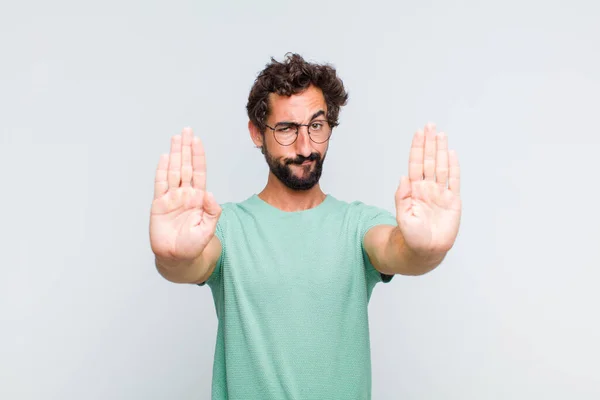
{"x":400,"y":259}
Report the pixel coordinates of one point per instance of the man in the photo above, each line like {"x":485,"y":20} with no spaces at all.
{"x":291,"y":268}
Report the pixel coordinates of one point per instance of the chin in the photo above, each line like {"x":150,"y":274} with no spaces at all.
{"x":302,"y":188}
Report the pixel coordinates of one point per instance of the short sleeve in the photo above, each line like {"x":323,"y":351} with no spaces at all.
{"x":220,"y":234}
{"x":371,"y":216}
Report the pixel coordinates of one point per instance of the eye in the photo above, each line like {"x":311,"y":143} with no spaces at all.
{"x":283,"y":129}
{"x":316,"y":126}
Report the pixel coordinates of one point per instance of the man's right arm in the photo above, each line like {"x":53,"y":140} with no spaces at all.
{"x":194,"y":271}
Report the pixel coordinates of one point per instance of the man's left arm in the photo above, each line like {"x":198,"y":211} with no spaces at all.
{"x":428,"y":210}
{"x":389,"y":254}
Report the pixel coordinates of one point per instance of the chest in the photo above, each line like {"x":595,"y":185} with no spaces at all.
{"x":300,"y":264}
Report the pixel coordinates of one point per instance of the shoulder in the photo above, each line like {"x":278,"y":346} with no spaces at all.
{"x":369,"y":216}
{"x":366,"y":212}
{"x":233,"y":208}
{"x":364,"y":216}
{"x":235,"y":214}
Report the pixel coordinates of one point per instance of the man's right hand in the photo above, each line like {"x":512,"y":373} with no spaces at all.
{"x":184,"y":215}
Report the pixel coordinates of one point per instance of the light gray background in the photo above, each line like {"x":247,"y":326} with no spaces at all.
{"x":90,"y":94}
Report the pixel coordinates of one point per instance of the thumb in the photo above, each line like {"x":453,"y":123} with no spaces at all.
{"x":211,"y":207}
{"x":403,"y":194}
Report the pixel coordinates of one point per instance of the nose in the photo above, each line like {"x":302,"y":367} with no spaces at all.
{"x":303,"y":143}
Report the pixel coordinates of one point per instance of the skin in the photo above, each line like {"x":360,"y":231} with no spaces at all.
{"x":428,"y":210}
{"x":299,"y":108}
{"x":184,"y":215}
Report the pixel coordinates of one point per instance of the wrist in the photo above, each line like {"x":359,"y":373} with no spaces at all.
{"x":418,"y":260}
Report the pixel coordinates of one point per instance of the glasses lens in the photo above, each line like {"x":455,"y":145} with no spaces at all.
{"x":286,"y":134}
{"x":319,"y":131}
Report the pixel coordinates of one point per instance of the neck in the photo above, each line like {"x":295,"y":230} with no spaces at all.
{"x":280,"y":196}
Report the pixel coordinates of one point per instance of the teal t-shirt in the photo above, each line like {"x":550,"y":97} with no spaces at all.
{"x":291,"y":291}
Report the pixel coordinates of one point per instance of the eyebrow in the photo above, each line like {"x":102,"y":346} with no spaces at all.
{"x":315,"y":115}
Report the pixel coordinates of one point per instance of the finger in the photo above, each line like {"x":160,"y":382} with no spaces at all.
{"x":403,"y":195}
{"x":212,"y":209}
{"x":198,"y":164}
{"x":441,"y":162}
{"x":415,"y":159}
{"x":404,"y":189}
{"x":429,"y":155}
{"x":454,"y":175}
{"x":174,"y":174}
{"x":186,"y":157}
{"x":160,"y":180}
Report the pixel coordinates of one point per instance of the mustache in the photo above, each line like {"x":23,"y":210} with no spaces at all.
{"x":300,"y":159}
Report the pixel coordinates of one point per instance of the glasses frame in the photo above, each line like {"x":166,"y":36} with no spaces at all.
{"x":297,"y":126}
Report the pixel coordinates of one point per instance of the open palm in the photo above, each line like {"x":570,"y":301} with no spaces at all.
{"x":184,"y":215}
{"x":428,"y":204}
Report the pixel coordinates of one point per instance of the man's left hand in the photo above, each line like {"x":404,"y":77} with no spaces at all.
{"x":428,"y":204}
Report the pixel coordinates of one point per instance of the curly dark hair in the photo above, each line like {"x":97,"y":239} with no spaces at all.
{"x":290,"y":77}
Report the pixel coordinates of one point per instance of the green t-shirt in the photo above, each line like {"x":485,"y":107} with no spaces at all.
{"x":291,"y":291}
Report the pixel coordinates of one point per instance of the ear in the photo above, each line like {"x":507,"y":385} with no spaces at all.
{"x":255,"y":134}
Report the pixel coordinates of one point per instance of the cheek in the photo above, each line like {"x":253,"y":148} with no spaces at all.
{"x":322,"y":149}
{"x":276,"y":152}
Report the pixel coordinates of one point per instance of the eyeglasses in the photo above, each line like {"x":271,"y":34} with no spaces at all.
{"x":286,"y":133}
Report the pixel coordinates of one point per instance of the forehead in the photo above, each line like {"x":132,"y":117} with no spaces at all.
{"x":298,"y":107}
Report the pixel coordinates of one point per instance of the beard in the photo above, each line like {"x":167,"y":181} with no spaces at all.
{"x":283,"y":170}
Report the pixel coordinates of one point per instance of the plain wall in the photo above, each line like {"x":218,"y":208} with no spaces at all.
{"x":90,"y":94}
